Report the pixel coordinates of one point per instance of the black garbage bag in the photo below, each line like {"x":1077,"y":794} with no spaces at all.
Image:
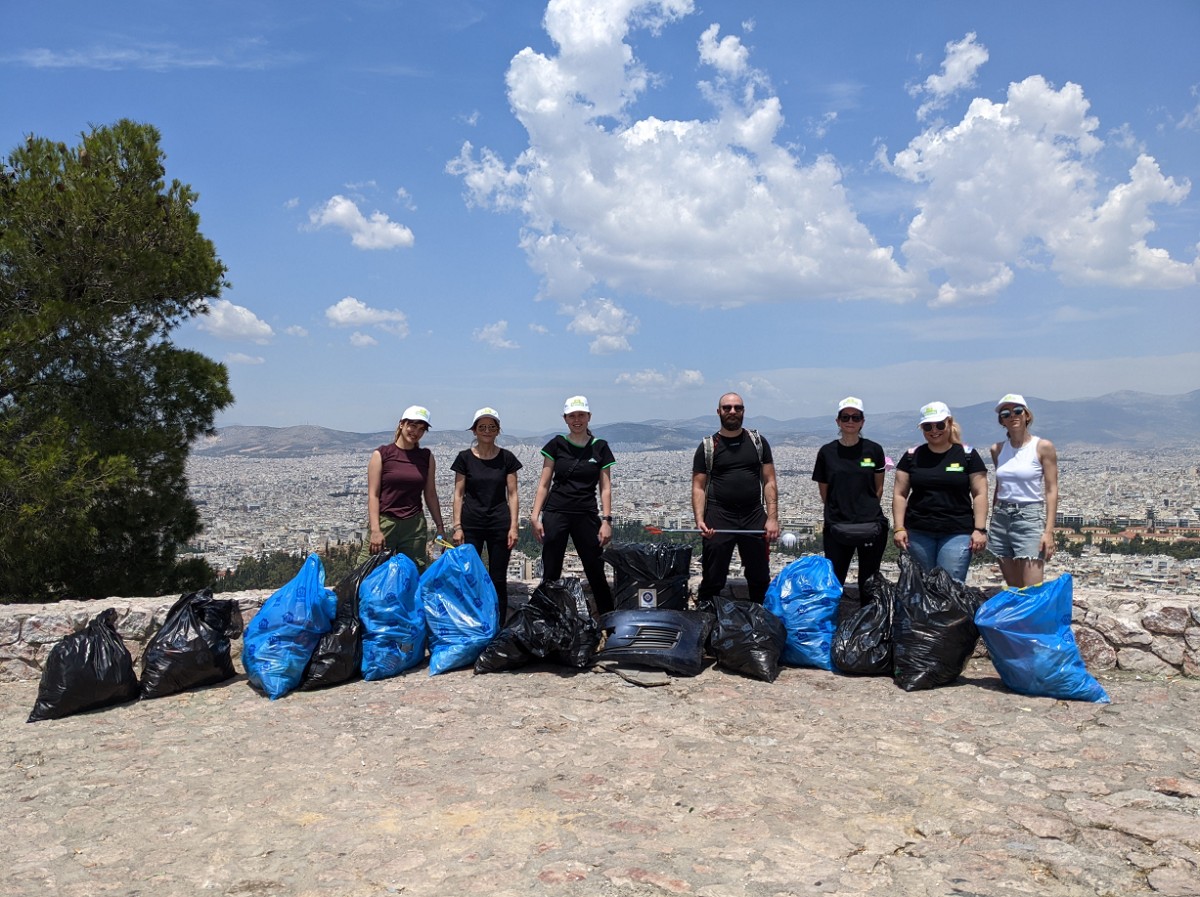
{"x":747,"y":638}
{"x":85,"y":671}
{"x":555,"y":624}
{"x":933,"y":628}
{"x":650,"y":574}
{"x":862,"y":643}
{"x":338,"y":655}
{"x":192,"y":647}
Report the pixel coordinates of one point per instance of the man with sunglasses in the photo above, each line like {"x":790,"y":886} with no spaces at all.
{"x":734,"y":488}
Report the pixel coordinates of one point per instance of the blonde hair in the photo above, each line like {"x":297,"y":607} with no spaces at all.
{"x":955,"y":432}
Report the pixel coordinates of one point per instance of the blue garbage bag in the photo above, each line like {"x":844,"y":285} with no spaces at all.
{"x":1028,"y":634}
{"x":461,"y":609}
{"x":281,"y":638}
{"x":393,"y":619}
{"x":805,"y":596}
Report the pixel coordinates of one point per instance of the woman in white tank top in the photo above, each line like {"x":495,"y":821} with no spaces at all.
{"x":1026,"y":500}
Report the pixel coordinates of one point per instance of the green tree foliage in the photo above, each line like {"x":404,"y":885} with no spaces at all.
{"x":1138,"y":545}
{"x":100,"y":259}
{"x":272,"y":569}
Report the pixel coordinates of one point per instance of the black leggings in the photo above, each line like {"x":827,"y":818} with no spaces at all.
{"x":498,"y":554}
{"x":584,"y":532}
{"x":870,"y":556}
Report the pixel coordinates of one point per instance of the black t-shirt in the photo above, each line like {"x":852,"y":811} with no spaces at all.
{"x":573,"y":488}
{"x":849,"y":472}
{"x":485,"y":492}
{"x":940,"y":497}
{"x":735,"y":481}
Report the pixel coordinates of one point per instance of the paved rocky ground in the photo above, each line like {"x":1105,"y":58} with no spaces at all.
{"x":546,"y":782}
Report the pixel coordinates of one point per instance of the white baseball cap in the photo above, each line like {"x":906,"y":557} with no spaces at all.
{"x":934,"y":412}
{"x":485,"y":412}
{"x":416,"y":412}
{"x":1012,"y":399}
{"x":851,"y":402}
{"x":576,"y":403}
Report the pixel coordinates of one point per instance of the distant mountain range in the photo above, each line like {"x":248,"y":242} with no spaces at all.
{"x":1123,"y":419}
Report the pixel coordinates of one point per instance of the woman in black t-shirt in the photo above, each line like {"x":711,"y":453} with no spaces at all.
{"x":576,"y":465}
{"x":849,"y":472}
{"x":486,"y":501}
{"x":939,"y":499}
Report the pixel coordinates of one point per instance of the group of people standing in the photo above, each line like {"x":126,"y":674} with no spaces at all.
{"x":939,"y":497}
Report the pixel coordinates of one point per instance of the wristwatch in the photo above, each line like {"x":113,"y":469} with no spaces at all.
{"x":981,"y":529}
{"x":607,"y":518}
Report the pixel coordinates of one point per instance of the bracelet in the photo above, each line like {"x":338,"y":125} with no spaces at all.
{"x":456,"y":526}
{"x":898,"y":530}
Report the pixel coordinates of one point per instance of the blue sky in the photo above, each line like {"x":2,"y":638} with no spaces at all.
{"x":465,"y":202}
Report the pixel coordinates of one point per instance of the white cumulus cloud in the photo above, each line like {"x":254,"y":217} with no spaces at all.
{"x":376,"y":231}
{"x":362,"y":340}
{"x":722,"y":210}
{"x":234,"y":322}
{"x":1014,"y":184}
{"x":713,"y":212}
{"x":495,"y":335}
{"x":651,"y":379}
{"x":351,"y":312}
{"x":243,"y":358}
{"x":605,"y":323}
{"x":963,"y":60}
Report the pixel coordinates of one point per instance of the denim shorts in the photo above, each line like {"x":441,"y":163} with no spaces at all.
{"x":1016,"y":530}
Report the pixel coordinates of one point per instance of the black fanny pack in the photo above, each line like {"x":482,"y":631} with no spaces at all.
{"x":856,"y":533}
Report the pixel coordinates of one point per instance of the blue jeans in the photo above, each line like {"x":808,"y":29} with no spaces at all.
{"x":951,"y":553}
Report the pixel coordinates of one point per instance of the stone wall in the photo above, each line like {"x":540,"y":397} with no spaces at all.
{"x":1138,"y":632}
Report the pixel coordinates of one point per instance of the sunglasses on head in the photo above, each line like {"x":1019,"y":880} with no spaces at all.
{"x":733,"y":407}
{"x":940,"y":425}
{"x":850,"y":418}
{"x":1006,"y":413}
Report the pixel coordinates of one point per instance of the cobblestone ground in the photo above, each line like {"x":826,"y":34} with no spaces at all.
{"x":546,"y":782}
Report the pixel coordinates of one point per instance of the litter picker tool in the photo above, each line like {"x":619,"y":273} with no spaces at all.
{"x":658,"y":531}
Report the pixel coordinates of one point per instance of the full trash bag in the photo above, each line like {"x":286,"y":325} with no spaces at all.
{"x":192,"y":647}
{"x":338,"y":655}
{"x":1028,"y":635}
{"x":85,"y":671}
{"x":651,"y":574}
{"x":805,"y":596}
{"x":393,"y":619}
{"x":747,"y":638}
{"x":862,"y":643}
{"x":282,"y":636}
{"x":933,"y":627}
{"x":461,"y":609}
{"x":555,"y":624}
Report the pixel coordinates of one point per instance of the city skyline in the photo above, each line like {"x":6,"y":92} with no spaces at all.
{"x":477,"y":203}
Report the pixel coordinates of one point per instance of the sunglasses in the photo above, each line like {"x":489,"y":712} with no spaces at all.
{"x":850,"y":418}
{"x":487,"y":428}
{"x":940,"y":425}
{"x":733,"y":407}
{"x":1006,"y":413}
